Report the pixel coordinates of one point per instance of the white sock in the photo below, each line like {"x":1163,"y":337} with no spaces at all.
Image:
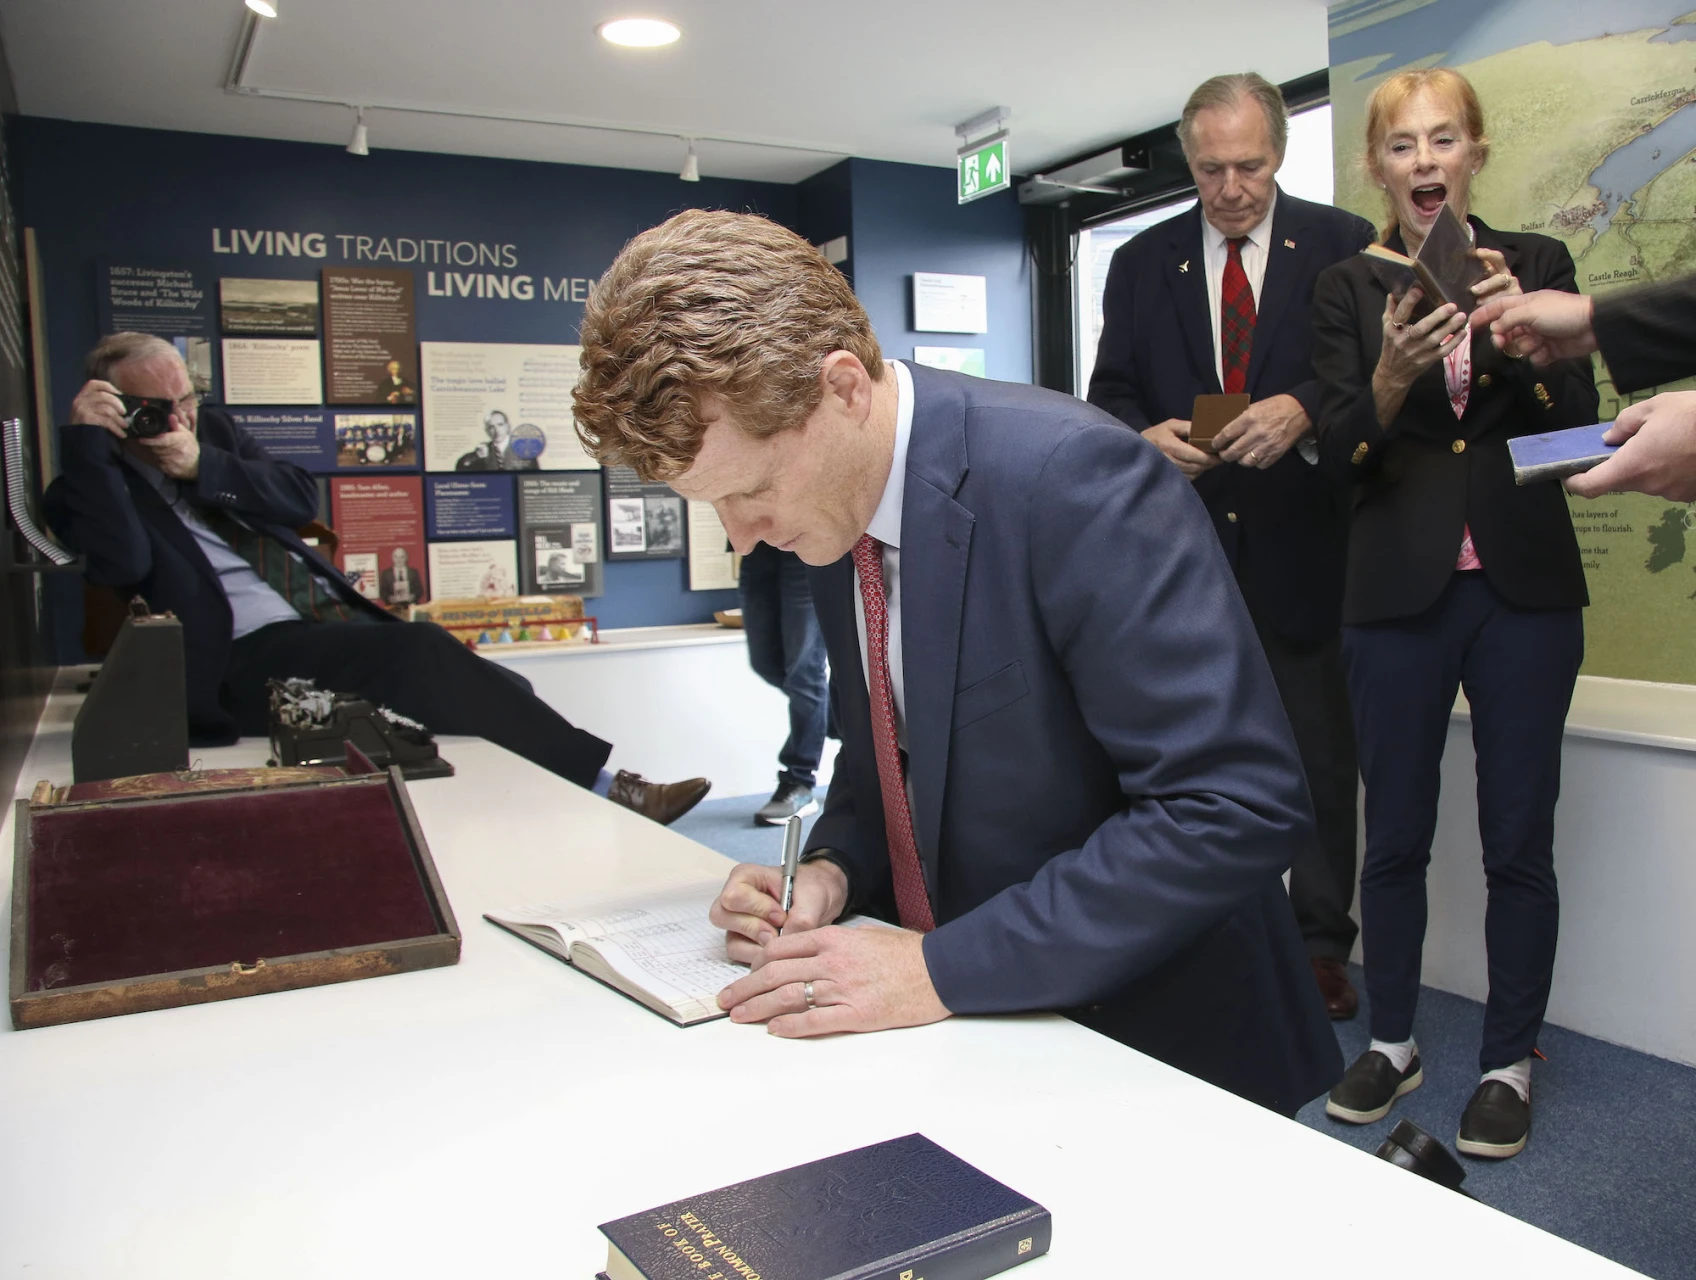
{"x":1398,"y":1054}
{"x":1518,"y":1075}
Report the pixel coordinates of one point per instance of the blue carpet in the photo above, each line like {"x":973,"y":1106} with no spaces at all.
{"x":728,"y":826}
{"x":1611,"y":1164}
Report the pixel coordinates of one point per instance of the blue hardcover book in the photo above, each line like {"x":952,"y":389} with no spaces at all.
{"x":1554,"y":455}
{"x":896,"y":1210}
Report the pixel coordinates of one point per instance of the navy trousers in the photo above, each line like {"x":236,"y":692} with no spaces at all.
{"x":1518,"y":667}
{"x":786,"y":649}
{"x":420,"y":671}
{"x":1314,"y":691}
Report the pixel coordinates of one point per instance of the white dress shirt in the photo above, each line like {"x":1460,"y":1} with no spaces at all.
{"x":886,"y":528}
{"x":1255,"y":252}
{"x":1215,"y":254}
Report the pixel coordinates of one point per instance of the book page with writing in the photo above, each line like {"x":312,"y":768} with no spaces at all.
{"x":663,"y":945}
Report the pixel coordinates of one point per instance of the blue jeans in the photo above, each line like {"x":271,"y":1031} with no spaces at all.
{"x":786,"y":650}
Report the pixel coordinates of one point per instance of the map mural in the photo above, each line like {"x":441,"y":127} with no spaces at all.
{"x":1591,"y":114}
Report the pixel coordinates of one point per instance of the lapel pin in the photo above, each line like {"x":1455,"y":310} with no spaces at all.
{"x":1289,"y":244}
{"x":1184,"y":265}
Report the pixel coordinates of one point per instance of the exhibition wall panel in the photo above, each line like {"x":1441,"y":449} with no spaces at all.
{"x":500,"y":251}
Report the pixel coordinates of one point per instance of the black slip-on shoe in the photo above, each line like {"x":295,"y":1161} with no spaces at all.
{"x":1495,"y":1123}
{"x":1370,"y":1087}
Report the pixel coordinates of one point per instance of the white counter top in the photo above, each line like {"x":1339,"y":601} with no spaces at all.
{"x":480,"y":1120}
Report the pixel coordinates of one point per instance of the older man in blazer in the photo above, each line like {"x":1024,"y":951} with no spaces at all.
{"x":1064,"y":768}
{"x":200,"y":522}
{"x":1217,"y":299}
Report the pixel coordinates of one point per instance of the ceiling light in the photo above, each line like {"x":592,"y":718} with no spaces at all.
{"x":691,"y":165}
{"x":358,"y":145}
{"x":264,"y":8}
{"x":634,"y":33}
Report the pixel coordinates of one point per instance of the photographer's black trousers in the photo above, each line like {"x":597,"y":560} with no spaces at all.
{"x":419,"y":670}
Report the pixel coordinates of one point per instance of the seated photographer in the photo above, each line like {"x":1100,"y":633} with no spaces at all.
{"x":181,"y":507}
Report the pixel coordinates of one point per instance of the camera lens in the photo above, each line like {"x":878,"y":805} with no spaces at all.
{"x":148,"y":421}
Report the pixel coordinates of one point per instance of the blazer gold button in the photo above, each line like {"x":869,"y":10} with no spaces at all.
{"x":1359,"y":453}
{"x":1231,"y":516}
{"x":1459,"y":446}
{"x":1485,"y":379}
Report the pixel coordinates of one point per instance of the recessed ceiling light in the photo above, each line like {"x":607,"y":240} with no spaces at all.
{"x":635,"y":33}
{"x":264,"y":8}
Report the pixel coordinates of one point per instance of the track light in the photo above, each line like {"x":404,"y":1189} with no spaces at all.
{"x":264,"y":8}
{"x":691,"y":165}
{"x":357,"y":145}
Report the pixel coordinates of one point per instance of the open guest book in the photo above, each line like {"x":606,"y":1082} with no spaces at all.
{"x":659,"y":949}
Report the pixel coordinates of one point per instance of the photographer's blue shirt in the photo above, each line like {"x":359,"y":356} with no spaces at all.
{"x":253,"y":603}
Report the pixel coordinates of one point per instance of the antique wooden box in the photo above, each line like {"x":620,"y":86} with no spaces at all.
{"x":180,"y":888}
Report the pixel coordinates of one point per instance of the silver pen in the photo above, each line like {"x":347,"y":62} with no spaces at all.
{"x":791,"y":859}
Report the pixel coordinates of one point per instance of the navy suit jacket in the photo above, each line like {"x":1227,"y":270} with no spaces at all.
{"x":137,"y":545}
{"x":1105,"y":786}
{"x":1645,"y":332}
{"x":1284,"y":529}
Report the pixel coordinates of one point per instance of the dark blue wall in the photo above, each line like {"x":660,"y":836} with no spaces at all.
{"x":158,"y":198}
{"x":906,"y":219}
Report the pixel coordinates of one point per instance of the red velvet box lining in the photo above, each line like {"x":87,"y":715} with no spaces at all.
{"x":152,"y":887}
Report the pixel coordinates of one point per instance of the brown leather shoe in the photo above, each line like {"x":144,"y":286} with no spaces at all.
{"x":664,"y":802}
{"x":1341,"y":1002}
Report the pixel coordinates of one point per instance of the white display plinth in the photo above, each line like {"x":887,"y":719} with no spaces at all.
{"x":675,"y":702}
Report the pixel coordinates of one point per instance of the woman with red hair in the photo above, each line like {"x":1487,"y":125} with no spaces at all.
{"x":1456,"y":578}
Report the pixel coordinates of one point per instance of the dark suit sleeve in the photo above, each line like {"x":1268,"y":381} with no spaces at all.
{"x":1142,"y":612}
{"x":1351,"y":439}
{"x":837,"y":833}
{"x":236,"y":472}
{"x":1356,"y":235}
{"x":90,"y":507}
{"x":1116,"y":383}
{"x":1648,"y":335}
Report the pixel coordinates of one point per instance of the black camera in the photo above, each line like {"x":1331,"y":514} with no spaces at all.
{"x":147,"y":416}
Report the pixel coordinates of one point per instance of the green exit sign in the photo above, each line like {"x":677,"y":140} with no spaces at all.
{"x":983,"y":170}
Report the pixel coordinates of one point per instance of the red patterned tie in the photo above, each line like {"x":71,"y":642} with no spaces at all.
{"x":1236,"y":319}
{"x":911,"y":900}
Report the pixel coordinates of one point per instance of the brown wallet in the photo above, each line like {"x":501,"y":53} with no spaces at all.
{"x":1210,"y":414}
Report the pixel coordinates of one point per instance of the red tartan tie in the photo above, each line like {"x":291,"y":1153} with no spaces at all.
{"x":1236,"y":319}
{"x":911,"y":900}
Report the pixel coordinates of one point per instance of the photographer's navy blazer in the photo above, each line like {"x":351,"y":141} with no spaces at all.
{"x":138,"y":546}
{"x":1105,"y":787}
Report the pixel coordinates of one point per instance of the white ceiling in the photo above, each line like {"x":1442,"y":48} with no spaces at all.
{"x":814,"y":80}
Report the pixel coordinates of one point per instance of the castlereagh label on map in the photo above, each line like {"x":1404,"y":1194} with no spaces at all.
{"x":1591,"y":114}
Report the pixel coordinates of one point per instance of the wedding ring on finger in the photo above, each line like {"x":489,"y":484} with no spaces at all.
{"x":807,"y":995}
{"x":1252,"y":457}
